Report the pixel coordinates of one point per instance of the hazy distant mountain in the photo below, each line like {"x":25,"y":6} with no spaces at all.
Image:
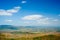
{"x":5,"y":27}
{"x":30,"y":28}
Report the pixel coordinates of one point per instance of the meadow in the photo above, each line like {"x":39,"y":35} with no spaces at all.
{"x":36,"y":36}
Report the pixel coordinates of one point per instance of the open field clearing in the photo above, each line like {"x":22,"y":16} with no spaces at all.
{"x":37,"y":36}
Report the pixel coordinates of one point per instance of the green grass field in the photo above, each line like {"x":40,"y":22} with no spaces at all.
{"x":8,"y":36}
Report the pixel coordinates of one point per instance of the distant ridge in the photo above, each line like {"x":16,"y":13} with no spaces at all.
{"x":5,"y":27}
{"x":29,"y":28}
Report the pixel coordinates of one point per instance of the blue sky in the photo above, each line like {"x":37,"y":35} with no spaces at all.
{"x":30,"y":12}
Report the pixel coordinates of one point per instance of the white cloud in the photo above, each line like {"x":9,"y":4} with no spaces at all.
{"x":55,"y":20}
{"x":3,"y":12}
{"x":8,"y":20}
{"x":32,"y":17}
{"x":9,"y":12}
{"x":39,"y":20}
{"x":23,"y":2}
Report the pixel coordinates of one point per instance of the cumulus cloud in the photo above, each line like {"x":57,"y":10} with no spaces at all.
{"x":32,"y":17}
{"x":39,"y":20}
{"x":8,"y":20}
{"x":9,"y":12}
{"x":23,"y":2}
{"x":55,"y":20}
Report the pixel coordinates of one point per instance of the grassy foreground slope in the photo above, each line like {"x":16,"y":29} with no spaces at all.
{"x":47,"y":37}
{"x":9,"y":36}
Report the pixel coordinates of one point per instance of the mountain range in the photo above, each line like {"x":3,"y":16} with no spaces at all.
{"x":29,"y":28}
